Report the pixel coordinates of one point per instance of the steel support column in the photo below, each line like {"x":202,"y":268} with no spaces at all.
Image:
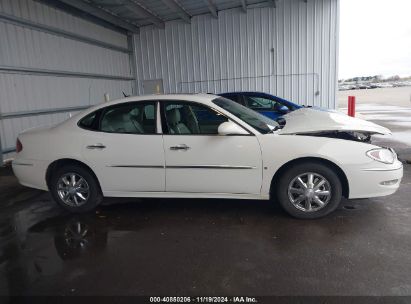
{"x":133,"y":63}
{"x":1,"y":150}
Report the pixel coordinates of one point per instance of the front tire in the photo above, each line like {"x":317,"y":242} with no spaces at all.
{"x":309,"y":190}
{"x":75,"y":189}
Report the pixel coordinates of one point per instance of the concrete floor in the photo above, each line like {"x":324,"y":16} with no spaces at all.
{"x":202,"y":247}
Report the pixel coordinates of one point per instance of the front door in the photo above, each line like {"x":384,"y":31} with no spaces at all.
{"x":198,"y":160}
{"x":124,"y":150}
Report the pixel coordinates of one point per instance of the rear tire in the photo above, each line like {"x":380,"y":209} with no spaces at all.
{"x":309,"y":190}
{"x":75,"y":189}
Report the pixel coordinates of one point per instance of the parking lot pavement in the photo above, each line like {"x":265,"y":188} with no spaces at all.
{"x":202,"y":247}
{"x":399,"y":96}
{"x":395,"y":118}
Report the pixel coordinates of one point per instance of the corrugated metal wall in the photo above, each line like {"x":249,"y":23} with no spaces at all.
{"x":290,"y":50}
{"x":30,"y":48}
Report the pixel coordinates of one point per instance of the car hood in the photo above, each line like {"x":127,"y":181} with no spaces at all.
{"x":307,"y":120}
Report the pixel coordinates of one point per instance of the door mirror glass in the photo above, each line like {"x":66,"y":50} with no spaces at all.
{"x":231,"y":128}
{"x":281,"y":121}
{"x":283,"y":109}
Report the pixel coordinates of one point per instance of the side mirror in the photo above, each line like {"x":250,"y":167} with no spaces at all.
{"x":231,"y":128}
{"x":284,"y":110}
{"x":281,"y":121}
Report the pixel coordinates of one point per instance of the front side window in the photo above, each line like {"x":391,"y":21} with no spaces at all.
{"x":130,"y":118}
{"x":190,"y":118}
{"x":259,"y":122}
{"x":262,"y":103}
{"x":235,"y":97}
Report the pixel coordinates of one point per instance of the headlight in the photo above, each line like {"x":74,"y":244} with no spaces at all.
{"x":383,"y":155}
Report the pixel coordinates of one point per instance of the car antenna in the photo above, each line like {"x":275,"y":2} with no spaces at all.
{"x":125,"y":95}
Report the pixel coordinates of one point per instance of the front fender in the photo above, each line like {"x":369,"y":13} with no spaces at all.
{"x":277,"y":150}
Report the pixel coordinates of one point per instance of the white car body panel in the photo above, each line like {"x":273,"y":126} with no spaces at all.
{"x":220,"y":164}
{"x":349,"y":156}
{"x":129,"y":163}
{"x":216,"y":166}
{"x":308,"y":120}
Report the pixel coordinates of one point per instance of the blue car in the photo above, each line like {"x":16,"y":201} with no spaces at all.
{"x":266,"y":104}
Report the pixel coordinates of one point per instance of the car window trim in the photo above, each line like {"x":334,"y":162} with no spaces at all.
{"x":159,"y":124}
{"x":159,"y":118}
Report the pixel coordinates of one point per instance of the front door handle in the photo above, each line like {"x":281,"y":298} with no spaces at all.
{"x":180,"y":147}
{"x":96,"y":147}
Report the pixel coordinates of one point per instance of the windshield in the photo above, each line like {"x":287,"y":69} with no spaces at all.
{"x":259,"y":122}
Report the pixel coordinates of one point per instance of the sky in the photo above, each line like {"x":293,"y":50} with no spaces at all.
{"x":375,"y":38}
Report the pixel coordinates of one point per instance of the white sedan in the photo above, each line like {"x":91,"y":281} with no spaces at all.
{"x":206,"y":146}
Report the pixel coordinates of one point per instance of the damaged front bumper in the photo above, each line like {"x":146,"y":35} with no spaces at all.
{"x":374,"y":181}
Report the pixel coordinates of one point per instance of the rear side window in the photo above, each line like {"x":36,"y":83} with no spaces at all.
{"x":89,"y":121}
{"x":129,"y":118}
{"x":150,"y":112}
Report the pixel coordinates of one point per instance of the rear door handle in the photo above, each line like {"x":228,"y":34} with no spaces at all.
{"x":96,"y":147}
{"x":180,"y":147}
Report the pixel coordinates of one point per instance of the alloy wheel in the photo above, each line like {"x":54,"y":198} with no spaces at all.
{"x":73,"y":189}
{"x":309,"y":192}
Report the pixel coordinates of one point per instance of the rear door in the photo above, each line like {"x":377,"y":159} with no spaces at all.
{"x":125,"y":150}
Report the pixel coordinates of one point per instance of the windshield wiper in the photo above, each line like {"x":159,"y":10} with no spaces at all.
{"x":274,"y":129}
{"x":281,"y":123}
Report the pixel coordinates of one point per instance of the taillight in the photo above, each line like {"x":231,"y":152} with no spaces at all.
{"x":19,"y":146}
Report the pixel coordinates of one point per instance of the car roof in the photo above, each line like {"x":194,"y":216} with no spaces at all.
{"x":246,"y":92}
{"x":194,"y":97}
{"x":201,"y":98}
{"x":255,"y":93}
